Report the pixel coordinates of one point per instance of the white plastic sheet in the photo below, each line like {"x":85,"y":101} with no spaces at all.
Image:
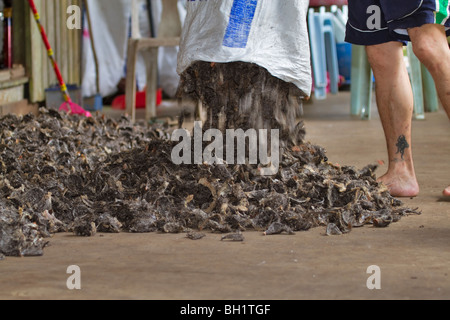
{"x":110,"y":31}
{"x":111,"y":28}
{"x":271,"y":34}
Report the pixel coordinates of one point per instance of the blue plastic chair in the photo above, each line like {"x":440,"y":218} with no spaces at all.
{"x":323,"y":52}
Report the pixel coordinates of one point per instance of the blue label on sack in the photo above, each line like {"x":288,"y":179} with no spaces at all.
{"x":240,"y":25}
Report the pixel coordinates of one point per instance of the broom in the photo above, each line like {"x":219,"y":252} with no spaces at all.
{"x":68,"y":106}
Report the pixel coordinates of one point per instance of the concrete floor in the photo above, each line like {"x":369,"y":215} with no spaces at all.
{"x":413,"y":255}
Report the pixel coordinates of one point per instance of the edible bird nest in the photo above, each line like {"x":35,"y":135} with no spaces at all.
{"x":66,"y":173}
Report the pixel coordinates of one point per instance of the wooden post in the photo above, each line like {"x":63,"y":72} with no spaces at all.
{"x":130,"y":85}
{"x":35,"y":54}
{"x":135,"y":33}
{"x":152,"y":84}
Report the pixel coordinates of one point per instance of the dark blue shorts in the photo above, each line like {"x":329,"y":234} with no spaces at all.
{"x":378,"y":21}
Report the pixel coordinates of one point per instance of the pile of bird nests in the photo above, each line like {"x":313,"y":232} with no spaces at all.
{"x":65,"y":173}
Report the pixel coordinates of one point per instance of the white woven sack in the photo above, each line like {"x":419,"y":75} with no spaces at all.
{"x":270,"y":33}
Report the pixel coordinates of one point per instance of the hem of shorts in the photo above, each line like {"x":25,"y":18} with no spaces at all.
{"x":415,"y":21}
{"x":368,"y":39}
{"x":404,"y":37}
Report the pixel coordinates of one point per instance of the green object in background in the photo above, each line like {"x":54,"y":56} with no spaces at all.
{"x":423,"y":86}
{"x":361,"y":83}
{"x":415,"y":76}
{"x":430,"y":97}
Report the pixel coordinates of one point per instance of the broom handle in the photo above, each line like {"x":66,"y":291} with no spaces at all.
{"x":51,"y":55}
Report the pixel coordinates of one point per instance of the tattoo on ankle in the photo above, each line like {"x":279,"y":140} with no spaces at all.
{"x":402,"y":144}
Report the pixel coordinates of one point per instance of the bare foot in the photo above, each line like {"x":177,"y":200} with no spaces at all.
{"x":447,"y":192}
{"x":401,"y":185}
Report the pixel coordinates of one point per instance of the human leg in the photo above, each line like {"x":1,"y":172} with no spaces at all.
{"x":431,"y":47}
{"x":395,"y":105}
{"x":447,"y":192}
{"x":393,"y":91}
